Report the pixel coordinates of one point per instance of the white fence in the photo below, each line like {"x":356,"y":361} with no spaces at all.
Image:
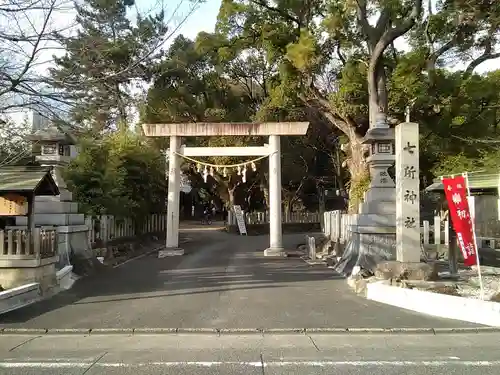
{"x":107,"y":228}
{"x":337,"y":226}
{"x":287,"y":218}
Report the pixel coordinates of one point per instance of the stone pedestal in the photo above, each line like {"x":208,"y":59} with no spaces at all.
{"x":373,"y":230}
{"x":60,"y":212}
{"x":21,"y":272}
{"x":376,"y":223}
{"x":373,"y":240}
{"x":274,"y":252}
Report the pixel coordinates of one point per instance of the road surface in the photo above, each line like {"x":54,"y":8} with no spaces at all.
{"x":252,"y":354}
{"x":223,"y":281}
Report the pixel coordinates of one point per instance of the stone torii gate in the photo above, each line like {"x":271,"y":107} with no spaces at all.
{"x":273,"y":150}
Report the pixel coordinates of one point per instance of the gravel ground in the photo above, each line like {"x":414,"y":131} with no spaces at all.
{"x":468,"y":285}
{"x":471,"y":288}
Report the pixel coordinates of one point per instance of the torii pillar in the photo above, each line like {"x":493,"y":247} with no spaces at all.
{"x":272,"y":130}
{"x":275,"y":229}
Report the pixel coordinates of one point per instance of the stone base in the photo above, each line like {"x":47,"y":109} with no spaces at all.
{"x":274,"y":252}
{"x":53,"y":219}
{"x":64,"y":196}
{"x":366,"y":250}
{"x":15,"y":298}
{"x":55,"y":207}
{"x":170,"y":252}
{"x":21,"y":272}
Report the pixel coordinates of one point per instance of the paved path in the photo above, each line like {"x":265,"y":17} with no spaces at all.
{"x":223,"y":282}
{"x":193,"y":354}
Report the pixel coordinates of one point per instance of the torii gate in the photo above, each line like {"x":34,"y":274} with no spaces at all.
{"x":202,"y":129}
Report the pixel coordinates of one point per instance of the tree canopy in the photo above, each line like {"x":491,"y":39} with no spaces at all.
{"x":107,"y":56}
{"x":338,"y":65}
{"x":341,"y":65}
{"x":118,"y":175}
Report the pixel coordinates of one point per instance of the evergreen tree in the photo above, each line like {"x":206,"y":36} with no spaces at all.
{"x":105,"y":58}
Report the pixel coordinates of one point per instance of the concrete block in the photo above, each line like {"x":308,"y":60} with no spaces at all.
{"x":375,"y":220}
{"x":274,"y":252}
{"x":381,"y":194}
{"x":436,"y":304}
{"x":72,"y":228}
{"x":51,"y":219}
{"x":380,"y":206}
{"x":64,"y":196}
{"x":20,"y":274}
{"x":170,"y":252}
{"x":56,"y":207}
{"x":15,"y":298}
{"x":64,"y":279}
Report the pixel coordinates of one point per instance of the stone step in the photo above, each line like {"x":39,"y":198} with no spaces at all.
{"x":380,"y":207}
{"x":374,"y":220}
{"x":64,"y":196}
{"x":56,"y":207}
{"x":51,"y":219}
{"x":380,"y":194}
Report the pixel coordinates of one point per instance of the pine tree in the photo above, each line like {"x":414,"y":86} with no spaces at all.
{"x":104,"y":59}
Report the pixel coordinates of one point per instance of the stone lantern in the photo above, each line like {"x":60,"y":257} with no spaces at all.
{"x":57,"y":148}
{"x":373,"y":230}
{"x":380,"y":198}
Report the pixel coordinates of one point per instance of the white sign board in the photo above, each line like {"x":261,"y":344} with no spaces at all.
{"x":238,"y":212}
{"x":407,"y":193}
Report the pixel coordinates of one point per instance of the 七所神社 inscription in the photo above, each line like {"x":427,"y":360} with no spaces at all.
{"x":407,"y":193}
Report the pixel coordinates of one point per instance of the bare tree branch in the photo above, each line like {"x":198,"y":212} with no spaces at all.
{"x":27,"y":30}
{"x":488,"y":54}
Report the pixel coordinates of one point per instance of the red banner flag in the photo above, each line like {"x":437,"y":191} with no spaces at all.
{"x":456,"y":194}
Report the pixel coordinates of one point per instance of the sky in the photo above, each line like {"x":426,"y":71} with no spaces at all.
{"x":202,"y":20}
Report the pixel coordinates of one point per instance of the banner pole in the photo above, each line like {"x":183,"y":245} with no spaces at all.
{"x":452,"y":243}
{"x":466,"y":177}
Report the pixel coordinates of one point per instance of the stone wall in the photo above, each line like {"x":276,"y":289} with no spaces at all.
{"x":22,"y":272}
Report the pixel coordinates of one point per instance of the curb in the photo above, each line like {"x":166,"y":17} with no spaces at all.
{"x":483,"y":313}
{"x":245,"y":331}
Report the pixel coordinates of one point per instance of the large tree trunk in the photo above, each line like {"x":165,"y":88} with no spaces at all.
{"x":355,"y":150}
{"x":378,"y":38}
{"x":287,"y":209}
{"x":358,"y":169}
{"x":230,"y":194}
{"x":226,"y":189}
{"x":264,"y":187}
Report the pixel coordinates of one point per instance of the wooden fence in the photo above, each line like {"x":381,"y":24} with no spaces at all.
{"x":286,"y":218}
{"x":337,"y":226}
{"x":107,"y":227}
{"x":20,"y":244}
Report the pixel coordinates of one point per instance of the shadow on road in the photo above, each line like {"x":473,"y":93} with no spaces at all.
{"x":214,"y":262}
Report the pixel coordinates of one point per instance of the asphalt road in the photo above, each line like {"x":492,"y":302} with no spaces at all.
{"x":223,"y":281}
{"x":253,"y":354}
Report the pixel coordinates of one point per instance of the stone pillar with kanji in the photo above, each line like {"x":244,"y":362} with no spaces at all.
{"x":408,"y":246}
